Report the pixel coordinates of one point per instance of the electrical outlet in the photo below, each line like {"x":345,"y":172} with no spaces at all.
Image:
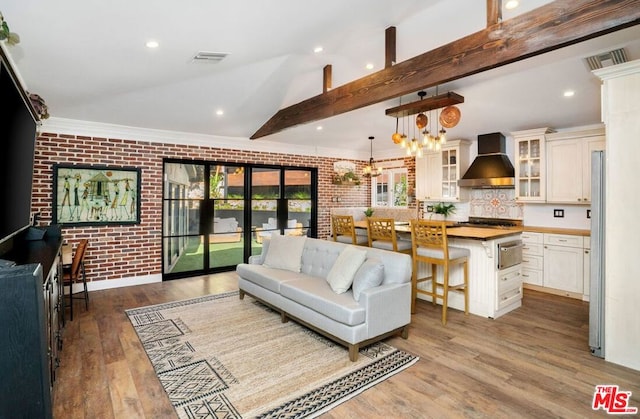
{"x":558,"y":213}
{"x":588,"y":213}
{"x":429,"y":208}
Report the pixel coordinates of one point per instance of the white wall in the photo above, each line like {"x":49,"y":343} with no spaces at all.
{"x":621,"y":114}
{"x":541,"y":215}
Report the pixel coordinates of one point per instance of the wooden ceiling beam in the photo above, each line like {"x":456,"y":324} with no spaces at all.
{"x":552,"y":26}
{"x":494,"y":12}
{"x":326,"y":78}
{"x":389,"y":46}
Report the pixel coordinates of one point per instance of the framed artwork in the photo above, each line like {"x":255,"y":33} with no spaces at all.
{"x":95,"y":195}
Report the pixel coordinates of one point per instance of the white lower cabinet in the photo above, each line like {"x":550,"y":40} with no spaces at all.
{"x":564,"y":262}
{"x":532,"y":258}
{"x":556,"y":263}
{"x":509,"y":289}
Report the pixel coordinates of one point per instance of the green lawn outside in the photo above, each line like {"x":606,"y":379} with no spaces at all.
{"x":220,"y":254}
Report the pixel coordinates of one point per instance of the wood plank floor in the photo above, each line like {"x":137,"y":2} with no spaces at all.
{"x":533,"y":362}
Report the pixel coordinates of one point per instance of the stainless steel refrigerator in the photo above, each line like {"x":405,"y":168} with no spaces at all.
{"x":597,"y":284}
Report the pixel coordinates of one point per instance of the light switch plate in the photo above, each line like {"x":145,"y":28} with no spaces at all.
{"x":588,"y":213}
{"x":558,"y":213}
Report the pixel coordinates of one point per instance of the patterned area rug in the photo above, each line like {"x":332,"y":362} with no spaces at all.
{"x":221,"y":357}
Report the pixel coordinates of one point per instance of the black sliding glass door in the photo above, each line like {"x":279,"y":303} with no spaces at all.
{"x":217,"y":215}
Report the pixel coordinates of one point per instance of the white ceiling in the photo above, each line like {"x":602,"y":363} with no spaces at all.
{"x":88,"y":60}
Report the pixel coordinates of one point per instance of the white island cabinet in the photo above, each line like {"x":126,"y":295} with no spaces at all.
{"x":492,"y":292}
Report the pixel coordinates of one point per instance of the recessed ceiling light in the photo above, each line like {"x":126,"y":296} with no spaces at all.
{"x":511,"y":4}
{"x":317,"y":49}
{"x":369,"y":66}
{"x":319,"y":128}
{"x":152,"y":44}
{"x":219,"y":112}
{"x":569,"y":93}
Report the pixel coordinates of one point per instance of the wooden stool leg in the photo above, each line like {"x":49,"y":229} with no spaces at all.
{"x":434,"y":284}
{"x":414,"y":287}
{"x":445,"y":294}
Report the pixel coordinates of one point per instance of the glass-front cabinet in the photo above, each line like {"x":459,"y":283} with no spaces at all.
{"x":437,"y":173}
{"x":530,"y":164}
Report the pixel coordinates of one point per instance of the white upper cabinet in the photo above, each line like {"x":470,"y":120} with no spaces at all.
{"x":569,"y":165}
{"x":530,"y":164}
{"x":437,"y":173}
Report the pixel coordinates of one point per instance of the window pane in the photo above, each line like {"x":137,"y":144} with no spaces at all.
{"x":400,"y":190}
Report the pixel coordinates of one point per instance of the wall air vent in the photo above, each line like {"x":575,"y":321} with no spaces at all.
{"x":617,"y":56}
{"x":209,"y":57}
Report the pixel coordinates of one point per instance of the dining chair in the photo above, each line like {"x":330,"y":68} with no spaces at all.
{"x":381,"y":233}
{"x":430,"y":245}
{"x":344,"y":230}
{"x":76,"y":274}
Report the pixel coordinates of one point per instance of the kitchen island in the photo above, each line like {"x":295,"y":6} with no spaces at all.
{"x":492,"y":292}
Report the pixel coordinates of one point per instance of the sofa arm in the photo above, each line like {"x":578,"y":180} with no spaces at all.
{"x":388,"y":307}
{"x":255,"y":260}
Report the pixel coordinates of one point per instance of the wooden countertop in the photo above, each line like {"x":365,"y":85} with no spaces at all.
{"x":462,"y":232}
{"x":556,"y":230}
{"x":489,"y":233}
{"x":482,"y":233}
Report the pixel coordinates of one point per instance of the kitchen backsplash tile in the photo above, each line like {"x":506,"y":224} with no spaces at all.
{"x":495,"y":203}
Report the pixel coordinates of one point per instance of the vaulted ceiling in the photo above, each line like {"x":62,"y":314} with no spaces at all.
{"x":88,"y":60}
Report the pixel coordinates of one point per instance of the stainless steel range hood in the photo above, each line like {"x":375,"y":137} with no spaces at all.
{"x":492,"y":168}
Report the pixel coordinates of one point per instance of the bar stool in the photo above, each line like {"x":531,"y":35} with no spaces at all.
{"x":429,"y":245}
{"x":76,"y":274}
{"x":381,"y":233}
{"x":344,"y":230}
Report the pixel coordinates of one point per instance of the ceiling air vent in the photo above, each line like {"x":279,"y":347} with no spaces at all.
{"x":617,"y":56}
{"x":209,"y":57}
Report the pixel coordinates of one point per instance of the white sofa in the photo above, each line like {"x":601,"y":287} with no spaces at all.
{"x":364,"y":314}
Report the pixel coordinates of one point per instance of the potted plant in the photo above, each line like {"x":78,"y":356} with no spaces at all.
{"x":444,"y":209}
{"x":368,"y":212}
{"x":5,"y":34}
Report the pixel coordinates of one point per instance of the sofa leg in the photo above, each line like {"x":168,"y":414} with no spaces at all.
{"x":283,"y":317}
{"x":353,"y":352}
{"x":241,"y":294}
{"x":405,"y":332}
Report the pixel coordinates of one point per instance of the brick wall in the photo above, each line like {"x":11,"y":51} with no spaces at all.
{"x":135,"y":250}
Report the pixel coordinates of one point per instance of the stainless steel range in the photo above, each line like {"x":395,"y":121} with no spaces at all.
{"x":491,"y":222}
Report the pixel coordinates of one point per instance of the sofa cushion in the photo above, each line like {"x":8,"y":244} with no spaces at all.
{"x":268,"y":278}
{"x":343,"y":270}
{"x":316,"y":294}
{"x":454,"y":252}
{"x":285,"y":252}
{"x":369,"y":275}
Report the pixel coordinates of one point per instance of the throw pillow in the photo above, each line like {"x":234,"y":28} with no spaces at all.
{"x":369,"y":275}
{"x":345,"y":267}
{"x":285,"y":252}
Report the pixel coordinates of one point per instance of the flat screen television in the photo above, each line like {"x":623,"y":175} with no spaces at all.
{"x":17,"y":146}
